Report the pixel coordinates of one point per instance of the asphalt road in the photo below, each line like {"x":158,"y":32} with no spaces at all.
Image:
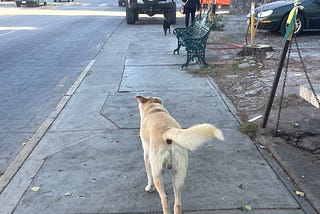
{"x":42,"y":52}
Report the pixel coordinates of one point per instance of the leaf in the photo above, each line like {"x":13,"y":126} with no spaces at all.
{"x":299,"y":193}
{"x":35,"y":188}
{"x":68,"y":194}
{"x":262,"y":147}
{"x":81,"y":197}
{"x":246,"y":208}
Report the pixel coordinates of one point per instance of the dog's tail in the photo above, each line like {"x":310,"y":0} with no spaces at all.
{"x":194,"y":136}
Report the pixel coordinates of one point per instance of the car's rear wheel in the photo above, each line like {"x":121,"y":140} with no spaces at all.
{"x":299,"y":26}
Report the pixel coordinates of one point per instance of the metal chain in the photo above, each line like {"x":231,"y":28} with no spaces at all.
{"x":283,"y":87}
{"x":305,"y":71}
{"x":286,"y":75}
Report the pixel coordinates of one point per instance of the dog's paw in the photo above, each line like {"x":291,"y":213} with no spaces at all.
{"x":149,"y":188}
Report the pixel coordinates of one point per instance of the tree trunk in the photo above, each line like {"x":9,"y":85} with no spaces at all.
{"x":239,"y":7}
{"x":242,"y":7}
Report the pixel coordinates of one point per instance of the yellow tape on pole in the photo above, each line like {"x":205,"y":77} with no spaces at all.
{"x":252,"y":22}
{"x":291,"y":14}
{"x":291,"y":21}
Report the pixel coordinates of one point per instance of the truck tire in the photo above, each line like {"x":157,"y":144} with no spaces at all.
{"x":130,"y":16}
{"x":170,"y":14}
{"x":132,"y":5}
{"x":136,"y":15}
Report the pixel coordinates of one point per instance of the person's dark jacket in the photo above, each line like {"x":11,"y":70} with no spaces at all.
{"x":192,"y":5}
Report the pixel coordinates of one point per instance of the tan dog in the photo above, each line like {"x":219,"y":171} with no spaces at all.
{"x":166,"y":145}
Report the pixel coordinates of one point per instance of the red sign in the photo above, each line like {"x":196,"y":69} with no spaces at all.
{"x":222,"y":2}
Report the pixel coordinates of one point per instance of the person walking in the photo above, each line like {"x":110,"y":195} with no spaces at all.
{"x":190,"y":8}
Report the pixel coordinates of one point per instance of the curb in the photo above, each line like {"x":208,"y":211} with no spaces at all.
{"x":31,"y":143}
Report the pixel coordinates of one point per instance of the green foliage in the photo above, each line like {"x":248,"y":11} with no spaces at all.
{"x":249,"y":128}
{"x":218,"y":22}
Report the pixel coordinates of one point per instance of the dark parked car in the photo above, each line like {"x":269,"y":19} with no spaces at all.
{"x":273,"y":16}
{"x":62,"y":0}
{"x":30,"y":2}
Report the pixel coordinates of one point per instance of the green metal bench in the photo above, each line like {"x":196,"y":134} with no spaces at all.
{"x":194,"y":39}
{"x":181,"y":33}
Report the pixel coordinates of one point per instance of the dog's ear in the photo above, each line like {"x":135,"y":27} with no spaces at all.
{"x":141,"y":99}
{"x":156,"y":100}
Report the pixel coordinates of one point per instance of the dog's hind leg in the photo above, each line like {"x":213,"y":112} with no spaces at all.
{"x":178,"y":180}
{"x":177,"y":188}
{"x":150,"y":186}
{"x":156,"y":162}
{"x":164,"y":198}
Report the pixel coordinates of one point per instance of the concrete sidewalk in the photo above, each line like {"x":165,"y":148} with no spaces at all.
{"x":90,"y":160}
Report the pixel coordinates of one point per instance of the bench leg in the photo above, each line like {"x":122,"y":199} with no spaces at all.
{"x":199,"y":55}
{"x":189,"y":58}
{"x":203,"y":58}
{"x":177,"y":50}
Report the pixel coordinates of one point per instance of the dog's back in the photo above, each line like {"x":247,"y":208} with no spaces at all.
{"x":166,"y":145}
{"x":155,"y":121}
{"x":159,"y":126}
